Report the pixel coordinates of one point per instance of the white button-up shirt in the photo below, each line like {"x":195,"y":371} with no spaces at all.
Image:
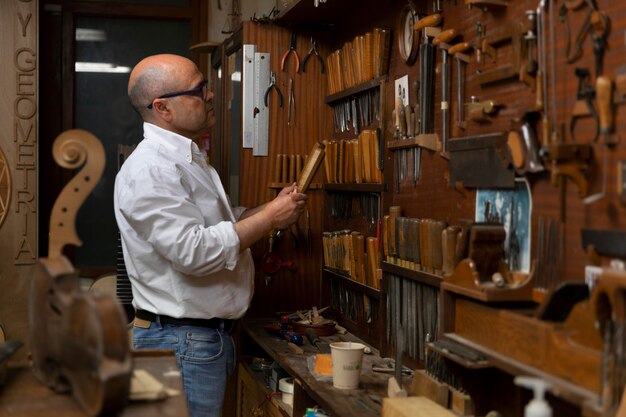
{"x":178,"y":236}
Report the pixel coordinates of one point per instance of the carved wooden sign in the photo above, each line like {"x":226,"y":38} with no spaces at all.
{"x":19,"y":21}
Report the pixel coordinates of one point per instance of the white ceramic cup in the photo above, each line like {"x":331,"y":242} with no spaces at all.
{"x":347,"y":361}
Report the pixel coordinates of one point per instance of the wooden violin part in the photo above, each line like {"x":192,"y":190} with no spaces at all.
{"x":79,"y":339}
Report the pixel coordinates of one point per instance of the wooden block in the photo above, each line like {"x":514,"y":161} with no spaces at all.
{"x":426,"y":386}
{"x":394,"y":389}
{"x":413,"y":407}
{"x":461,"y":403}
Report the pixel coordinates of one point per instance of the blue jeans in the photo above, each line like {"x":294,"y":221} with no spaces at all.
{"x":205,"y":357}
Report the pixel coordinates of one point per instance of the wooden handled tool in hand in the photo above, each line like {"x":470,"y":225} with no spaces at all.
{"x":312,"y":163}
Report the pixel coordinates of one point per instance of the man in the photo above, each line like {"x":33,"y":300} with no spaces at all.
{"x":185,"y":248}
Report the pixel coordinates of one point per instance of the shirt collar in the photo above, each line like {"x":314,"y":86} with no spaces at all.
{"x":173,"y":142}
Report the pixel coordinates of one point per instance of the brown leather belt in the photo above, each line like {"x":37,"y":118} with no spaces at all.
{"x":214,"y":323}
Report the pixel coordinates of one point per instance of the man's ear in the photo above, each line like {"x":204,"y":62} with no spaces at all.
{"x":162,"y":110}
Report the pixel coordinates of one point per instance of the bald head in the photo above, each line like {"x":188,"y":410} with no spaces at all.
{"x":154,"y":76}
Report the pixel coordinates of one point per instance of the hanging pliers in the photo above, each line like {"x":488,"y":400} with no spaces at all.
{"x":292,"y":48}
{"x":269,"y":88}
{"x":313,"y":51}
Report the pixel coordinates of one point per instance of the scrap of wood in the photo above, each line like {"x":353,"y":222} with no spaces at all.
{"x":145,"y":387}
{"x":413,"y":407}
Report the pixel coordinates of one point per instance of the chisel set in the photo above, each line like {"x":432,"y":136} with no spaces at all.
{"x":427,"y":245}
{"x":360,"y":60}
{"x":350,"y":253}
{"x":354,"y":161}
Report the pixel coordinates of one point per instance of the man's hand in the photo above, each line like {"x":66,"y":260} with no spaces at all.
{"x":286,"y":207}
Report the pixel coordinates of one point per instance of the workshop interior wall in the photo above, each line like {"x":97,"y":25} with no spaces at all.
{"x":300,"y":289}
{"x":19,"y":195}
{"x":434,"y":196}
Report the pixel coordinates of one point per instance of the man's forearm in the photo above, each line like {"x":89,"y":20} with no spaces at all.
{"x":252,"y":226}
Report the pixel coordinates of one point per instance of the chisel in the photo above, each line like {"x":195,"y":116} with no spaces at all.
{"x":442,"y":40}
{"x":458,"y":52}
{"x":427,"y":94}
{"x":311,"y":165}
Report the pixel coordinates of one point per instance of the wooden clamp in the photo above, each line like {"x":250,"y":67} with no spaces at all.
{"x":570,"y":160}
{"x":484,"y":275}
{"x":488,"y":46}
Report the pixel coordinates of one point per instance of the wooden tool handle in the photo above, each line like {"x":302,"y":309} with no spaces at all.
{"x":449,"y":242}
{"x":459,"y":48}
{"x":428,"y":21}
{"x":372,"y":261}
{"x":539,"y":93}
{"x":359,"y":251}
{"x":398,"y":114}
{"x":284,"y":167}
{"x":445,"y":36}
{"x":278,"y":168}
{"x":437,"y":247}
{"x":312,"y":163}
{"x":385,"y":233}
{"x":298,"y":166}
{"x":394,"y":211}
{"x":292,"y":169}
{"x":604,"y":95}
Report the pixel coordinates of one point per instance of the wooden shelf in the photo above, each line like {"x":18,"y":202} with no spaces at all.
{"x":428,"y":141}
{"x":349,"y":92}
{"x":363,"y":187}
{"x":419,"y":276}
{"x":349,"y":282}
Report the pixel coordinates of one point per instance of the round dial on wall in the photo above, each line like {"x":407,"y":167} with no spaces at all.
{"x":408,"y":39}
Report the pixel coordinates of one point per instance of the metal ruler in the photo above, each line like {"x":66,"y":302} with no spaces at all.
{"x":248,"y":95}
{"x":261,"y":118}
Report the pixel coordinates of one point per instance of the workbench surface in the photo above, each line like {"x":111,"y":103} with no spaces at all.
{"x":24,"y":396}
{"x":361,"y":402}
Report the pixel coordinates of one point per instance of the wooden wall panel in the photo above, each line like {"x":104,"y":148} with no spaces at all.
{"x":288,"y":290}
{"x":433,"y":196}
{"x":18,"y":162}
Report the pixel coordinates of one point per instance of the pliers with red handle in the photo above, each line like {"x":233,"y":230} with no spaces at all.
{"x":292,"y":48}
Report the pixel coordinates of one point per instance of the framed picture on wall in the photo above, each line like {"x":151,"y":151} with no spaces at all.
{"x":511,"y":208}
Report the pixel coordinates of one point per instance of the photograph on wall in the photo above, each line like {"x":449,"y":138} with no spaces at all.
{"x":512,"y":209}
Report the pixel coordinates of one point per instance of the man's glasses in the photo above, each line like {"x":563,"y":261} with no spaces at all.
{"x":200,"y":91}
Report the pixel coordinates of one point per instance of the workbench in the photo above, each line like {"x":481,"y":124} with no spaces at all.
{"x":361,"y":402}
{"x":24,"y":396}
